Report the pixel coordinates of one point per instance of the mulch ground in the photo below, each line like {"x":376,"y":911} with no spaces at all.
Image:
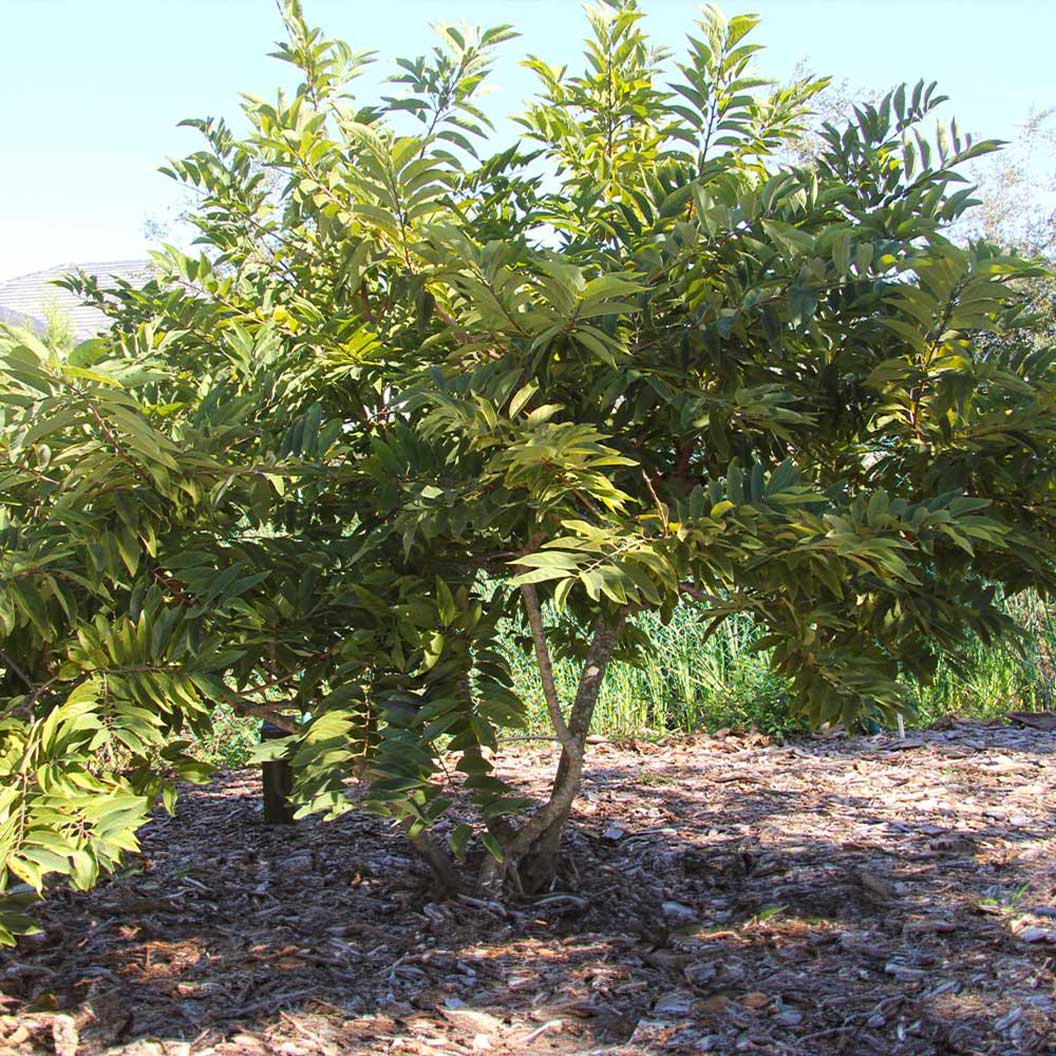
{"x":731,"y":894}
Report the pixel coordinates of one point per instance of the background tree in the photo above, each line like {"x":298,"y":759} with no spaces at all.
{"x":1017,"y":194}
{"x":408,"y":394}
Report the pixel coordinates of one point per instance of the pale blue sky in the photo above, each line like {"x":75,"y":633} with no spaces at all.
{"x":91,"y":92}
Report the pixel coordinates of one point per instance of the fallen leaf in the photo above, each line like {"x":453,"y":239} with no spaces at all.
{"x":65,"y":1036}
{"x":1036,"y":934}
{"x":471,"y":1019}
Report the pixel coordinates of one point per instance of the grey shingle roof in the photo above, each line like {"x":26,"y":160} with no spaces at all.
{"x":32,"y":296}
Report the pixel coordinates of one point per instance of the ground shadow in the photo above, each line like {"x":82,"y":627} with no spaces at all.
{"x":725,"y":896}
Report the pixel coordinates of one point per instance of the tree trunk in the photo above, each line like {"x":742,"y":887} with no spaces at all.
{"x":534,"y":852}
{"x":445,"y":876}
{"x":531,"y":853}
{"x":537,"y":871}
{"x":276,"y":781}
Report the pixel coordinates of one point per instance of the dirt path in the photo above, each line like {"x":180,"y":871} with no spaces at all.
{"x":733,"y":895}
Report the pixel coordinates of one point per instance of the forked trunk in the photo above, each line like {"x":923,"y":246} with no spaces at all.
{"x":533,"y":852}
{"x":537,"y":871}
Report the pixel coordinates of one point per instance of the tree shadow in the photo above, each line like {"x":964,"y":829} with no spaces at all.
{"x":724,"y":896}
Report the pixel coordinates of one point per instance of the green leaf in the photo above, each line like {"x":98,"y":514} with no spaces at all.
{"x":521,"y":397}
{"x":459,"y":839}
{"x":493,"y":847}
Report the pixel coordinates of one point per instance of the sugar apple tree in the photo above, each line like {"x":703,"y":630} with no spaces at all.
{"x":411,"y":398}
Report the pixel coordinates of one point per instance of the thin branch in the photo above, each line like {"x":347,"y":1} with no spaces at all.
{"x":111,"y":437}
{"x":273,"y":713}
{"x":546,"y":667}
{"x":439,"y":860}
{"x":282,"y":679}
{"x":700,"y":595}
{"x":586,"y":500}
{"x":660,"y":508}
{"x":12,"y":666}
{"x":594,"y":667}
{"x":450,"y":323}
{"x":133,"y":669}
{"x":570,"y":769}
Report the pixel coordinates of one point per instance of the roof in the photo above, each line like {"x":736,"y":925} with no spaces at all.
{"x":27,"y":299}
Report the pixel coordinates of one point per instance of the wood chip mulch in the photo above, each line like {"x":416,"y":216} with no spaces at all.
{"x":726,"y":894}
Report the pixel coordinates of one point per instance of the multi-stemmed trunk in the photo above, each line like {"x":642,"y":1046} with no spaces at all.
{"x":531,"y":852}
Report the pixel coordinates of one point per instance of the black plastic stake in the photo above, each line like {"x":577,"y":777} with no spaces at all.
{"x":277,"y":779}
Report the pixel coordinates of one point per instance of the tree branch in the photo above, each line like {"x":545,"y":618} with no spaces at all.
{"x":546,"y":668}
{"x":438,"y":859}
{"x":570,"y":769}
{"x":274,"y":713}
{"x":598,"y":656}
{"x":700,"y":595}
{"x":12,"y":666}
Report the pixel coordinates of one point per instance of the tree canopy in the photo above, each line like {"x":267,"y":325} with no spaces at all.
{"x":409,"y":392}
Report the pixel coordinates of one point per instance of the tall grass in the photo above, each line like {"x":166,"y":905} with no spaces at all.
{"x":1006,"y":676}
{"x":688,"y":683}
{"x":684,"y":683}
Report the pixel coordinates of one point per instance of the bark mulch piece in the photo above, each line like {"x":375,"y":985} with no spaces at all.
{"x":730,"y":894}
